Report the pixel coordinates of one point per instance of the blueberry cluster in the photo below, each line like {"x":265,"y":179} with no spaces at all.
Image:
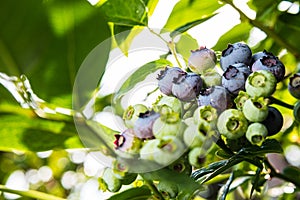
{"x":200,"y":103}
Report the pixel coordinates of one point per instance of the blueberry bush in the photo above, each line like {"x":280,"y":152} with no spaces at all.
{"x":194,"y":122}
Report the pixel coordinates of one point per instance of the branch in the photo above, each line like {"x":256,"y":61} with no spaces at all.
{"x":268,"y":30}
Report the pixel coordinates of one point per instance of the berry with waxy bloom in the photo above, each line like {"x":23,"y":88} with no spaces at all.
{"x":143,"y":125}
{"x":166,"y":79}
{"x":187,"y":88}
{"x":201,"y":60}
{"x":294,"y":85}
{"x":235,"y":53}
{"x":127,"y":144}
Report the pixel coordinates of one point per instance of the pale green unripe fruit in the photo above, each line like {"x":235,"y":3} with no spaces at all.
{"x":112,"y":182}
{"x":161,"y":128}
{"x":241,"y":99}
{"x":131,"y":114}
{"x":211,"y":78}
{"x":232,"y":123}
{"x":196,"y":157}
{"x":168,"y":189}
{"x":192,"y":137}
{"x":206,"y":113}
{"x":260,"y":83}
{"x":168,"y":101}
{"x":255,"y":109}
{"x":163,"y":151}
{"x":256,"y":133}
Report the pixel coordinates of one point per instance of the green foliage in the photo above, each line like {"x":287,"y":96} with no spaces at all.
{"x":48,"y":41}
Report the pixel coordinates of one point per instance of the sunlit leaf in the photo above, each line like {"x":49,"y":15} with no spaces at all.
{"x":126,"y":13}
{"x":140,"y":74}
{"x":186,"y":11}
{"x":22,"y":133}
{"x":189,"y":25}
{"x":185,"y":44}
{"x":140,"y":193}
{"x":238,"y":33}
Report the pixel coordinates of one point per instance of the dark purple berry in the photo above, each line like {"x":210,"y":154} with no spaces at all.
{"x":202,"y":59}
{"x":259,"y":55}
{"x":235,"y":53}
{"x":143,"y":125}
{"x":216,"y":96}
{"x":187,"y":88}
{"x":294,"y":85}
{"x":166,"y":78}
{"x":272,"y":64}
{"x":234,"y":78}
{"x":274,"y":121}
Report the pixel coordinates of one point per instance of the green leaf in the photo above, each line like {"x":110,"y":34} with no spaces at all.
{"x":227,"y":186}
{"x":189,"y":25}
{"x":30,"y":133}
{"x":207,"y":170}
{"x":255,"y":182}
{"x":55,"y":39}
{"x":268,"y":146}
{"x":139,"y":75}
{"x":123,"y":36}
{"x":151,"y":4}
{"x":293,"y":173}
{"x":186,"y":185}
{"x":31,"y":194}
{"x":238,"y":33}
{"x":187,"y":11}
{"x":126,"y":13}
{"x":139,"y":193}
{"x":185,"y":44}
{"x":228,"y":164}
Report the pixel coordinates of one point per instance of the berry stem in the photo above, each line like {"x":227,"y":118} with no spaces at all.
{"x":170,"y":44}
{"x":281,"y":103}
{"x":268,"y":30}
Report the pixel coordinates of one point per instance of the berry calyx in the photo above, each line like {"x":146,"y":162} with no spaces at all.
{"x":232,"y":124}
{"x":261,"y":83}
{"x":294,"y":85}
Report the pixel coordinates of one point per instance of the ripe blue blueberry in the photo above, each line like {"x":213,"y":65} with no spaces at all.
{"x":274,"y":121}
{"x":187,"y":88}
{"x":127,"y":144}
{"x":166,"y":78}
{"x":294,"y":85}
{"x":270,"y":63}
{"x":235,"y":53}
{"x":143,"y":125}
{"x":201,"y":60}
{"x":216,"y":96}
{"x":234,"y":78}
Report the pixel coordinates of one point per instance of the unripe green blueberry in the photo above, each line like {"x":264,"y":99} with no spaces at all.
{"x":261,"y":83}
{"x":256,"y":109}
{"x":206,"y":113}
{"x":131,"y":114}
{"x":192,"y":137}
{"x":256,"y":133}
{"x":196,"y":157}
{"x":168,"y":189}
{"x":296,"y":111}
{"x":232,"y":123}
{"x":161,"y":128}
{"x":241,"y":99}
{"x":171,"y":102}
{"x":211,"y":78}
{"x":163,"y":151}
{"x":182,"y":166}
{"x":112,"y":182}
